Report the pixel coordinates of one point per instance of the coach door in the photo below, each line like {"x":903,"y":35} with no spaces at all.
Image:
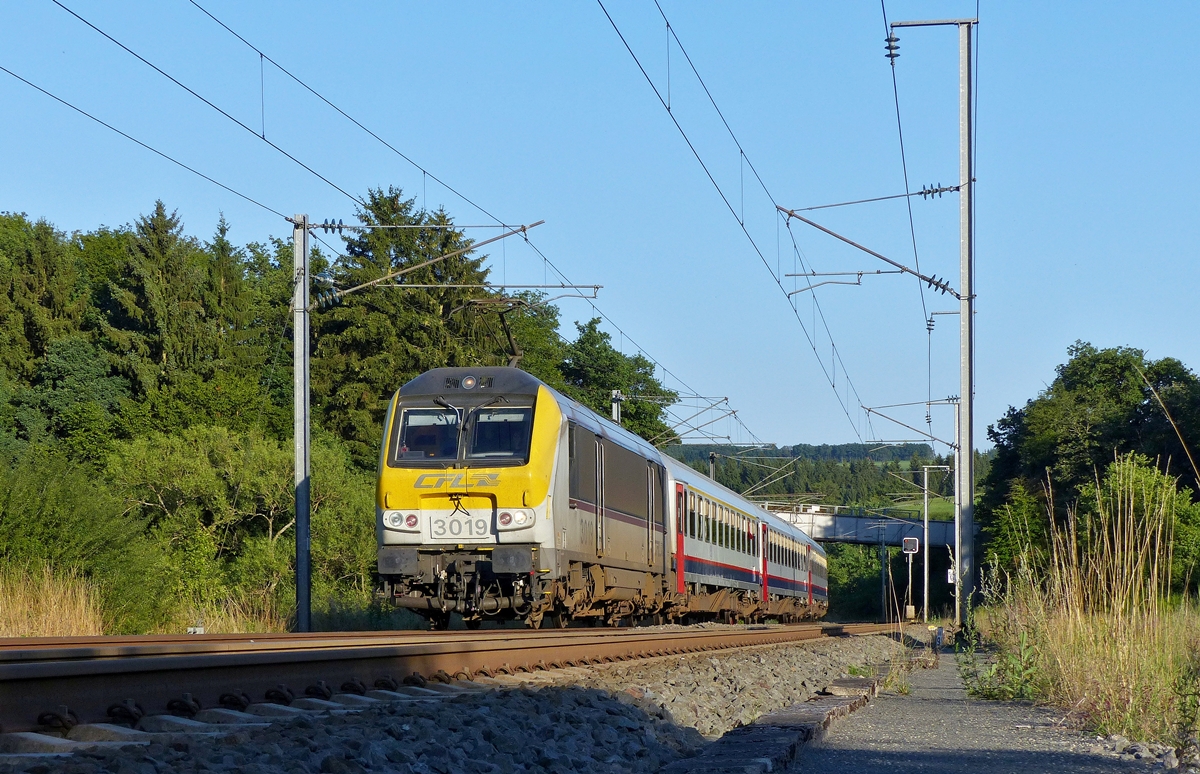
{"x":656,"y":521}
{"x":808,"y":566}
{"x":601,"y":527}
{"x":764,"y":548}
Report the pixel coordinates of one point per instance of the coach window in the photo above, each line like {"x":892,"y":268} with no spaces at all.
{"x":691,"y":514}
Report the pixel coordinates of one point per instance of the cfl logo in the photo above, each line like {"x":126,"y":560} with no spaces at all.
{"x":453,"y":480}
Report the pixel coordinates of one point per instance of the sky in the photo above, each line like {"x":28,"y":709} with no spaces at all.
{"x":1086,"y":169}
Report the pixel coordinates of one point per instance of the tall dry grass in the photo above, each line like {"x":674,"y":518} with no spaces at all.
{"x":36,"y":602}
{"x":237,"y":614}
{"x":1095,"y":630}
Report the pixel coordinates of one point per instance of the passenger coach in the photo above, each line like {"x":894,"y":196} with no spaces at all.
{"x":498,"y":497}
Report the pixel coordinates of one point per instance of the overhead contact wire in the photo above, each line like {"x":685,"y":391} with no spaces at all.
{"x":427,"y":174}
{"x":424,"y":172}
{"x":153,"y":150}
{"x":725,"y":199}
{"x":212,"y":105}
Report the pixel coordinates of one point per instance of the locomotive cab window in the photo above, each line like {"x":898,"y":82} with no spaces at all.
{"x":429,"y":435}
{"x":501,"y":433}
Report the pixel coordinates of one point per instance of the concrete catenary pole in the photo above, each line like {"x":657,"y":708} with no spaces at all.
{"x":300,"y":419}
{"x":966,"y":320}
{"x":964,"y":469}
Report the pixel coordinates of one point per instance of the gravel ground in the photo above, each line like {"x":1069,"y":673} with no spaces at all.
{"x":638,"y":717}
{"x":714,"y":693}
{"x":937,"y":728}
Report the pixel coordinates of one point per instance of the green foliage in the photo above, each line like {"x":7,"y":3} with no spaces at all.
{"x":1098,"y":405}
{"x":52,"y":513}
{"x":593,"y":368}
{"x":1018,"y":532}
{"x":1049,"y":454}
{"x":853,"y":572}
{"x":835,"y":475}
{"x":999,"y":672}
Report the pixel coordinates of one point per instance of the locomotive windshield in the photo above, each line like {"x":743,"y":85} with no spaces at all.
{"x":427,"y":434}
{"x":432,"y":435}
{"x":501,"y":433}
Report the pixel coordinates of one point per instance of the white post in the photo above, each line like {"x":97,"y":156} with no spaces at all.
{"x":958,"y":498}
{"x":300,"y":419}
{"x":925,"y":547}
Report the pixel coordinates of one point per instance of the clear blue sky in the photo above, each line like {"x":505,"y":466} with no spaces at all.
{"x":1087,"y":168}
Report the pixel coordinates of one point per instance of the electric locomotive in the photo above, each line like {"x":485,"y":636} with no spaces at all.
{"x":498,"y":497}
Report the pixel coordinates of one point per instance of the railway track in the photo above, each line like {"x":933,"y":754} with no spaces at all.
{"x":52,"y":682}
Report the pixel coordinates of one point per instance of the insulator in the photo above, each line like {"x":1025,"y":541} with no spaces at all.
{"x":892,"y":48}
{"x":340,"y":226}
{"x":929,"y":324}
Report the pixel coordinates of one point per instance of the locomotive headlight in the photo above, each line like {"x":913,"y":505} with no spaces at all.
{"x":398,"y":520}
{"x":514,"y":518}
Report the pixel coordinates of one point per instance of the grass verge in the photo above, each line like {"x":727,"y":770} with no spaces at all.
{"x":36,"y":602}
{"x":1089,"y":624}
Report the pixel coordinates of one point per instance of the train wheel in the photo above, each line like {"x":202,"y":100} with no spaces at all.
{"x":474,"y":623}
{"x":439,"y":621}
{"x":562,"y":620}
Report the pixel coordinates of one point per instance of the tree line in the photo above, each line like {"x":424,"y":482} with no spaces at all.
{"x":1106,"y":412}
{"x":146,"y":392}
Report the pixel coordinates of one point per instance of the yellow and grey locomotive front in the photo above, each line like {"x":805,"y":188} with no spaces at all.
{"x":463,"y":501}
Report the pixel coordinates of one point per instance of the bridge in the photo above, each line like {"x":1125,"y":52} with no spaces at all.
{"x":839,"y":524}
{"x":842,"y":524}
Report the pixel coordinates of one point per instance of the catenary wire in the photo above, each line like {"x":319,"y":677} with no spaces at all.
{"x":426,"y":173}
{"x":155,"y":151}
{"x":180,"y":84}
{"x":725,"y":199}
{"x":439,"y":181}
{"x":912,"y":229}
{"x":744,"y":158}
{"x":346,"y":115}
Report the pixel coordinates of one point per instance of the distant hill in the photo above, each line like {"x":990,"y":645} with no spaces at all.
{"x":840,"y":452}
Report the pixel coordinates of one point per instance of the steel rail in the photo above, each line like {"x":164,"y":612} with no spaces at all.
{"x":90,"y":675}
